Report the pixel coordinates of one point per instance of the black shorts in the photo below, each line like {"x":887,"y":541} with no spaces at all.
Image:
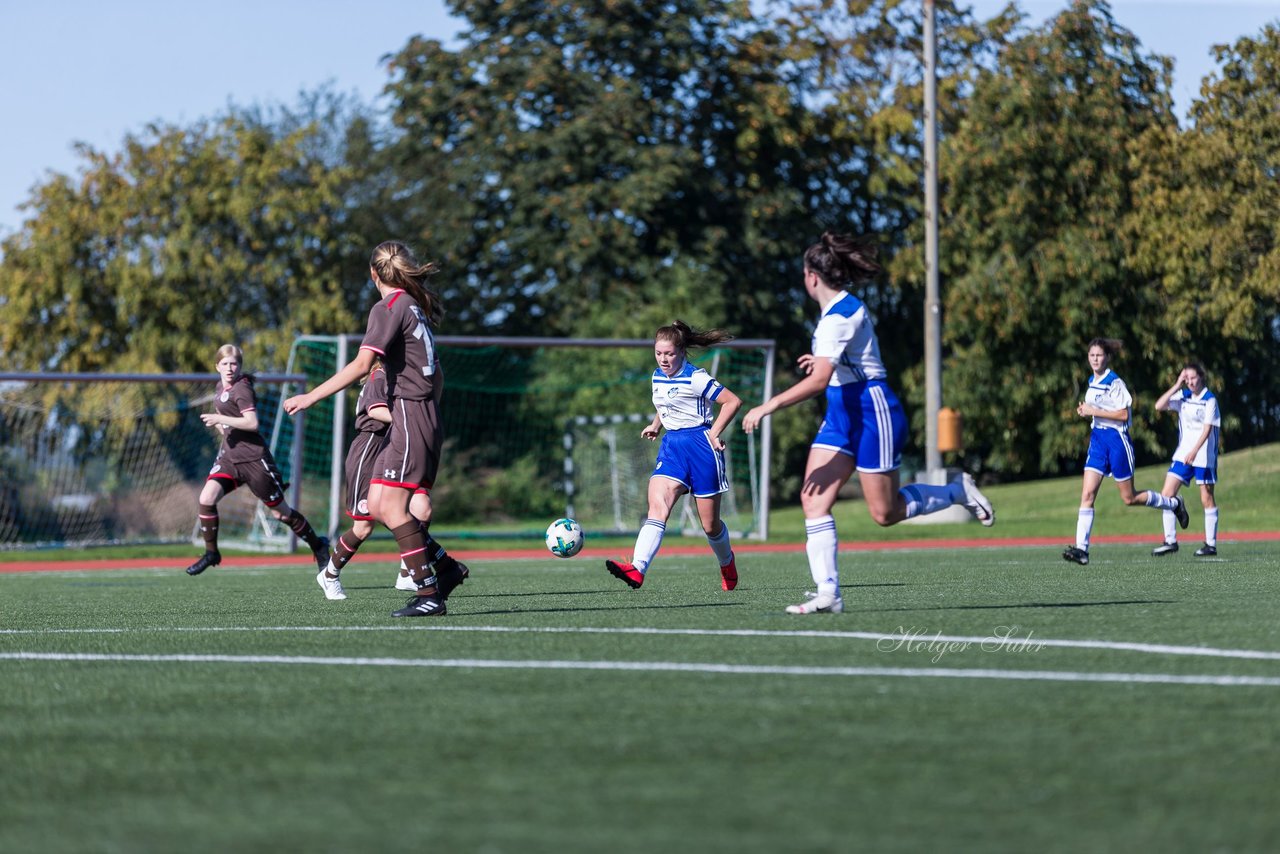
{"x":362,"y":458}
{"x":412,"y":455}
{"x":261,"y":476}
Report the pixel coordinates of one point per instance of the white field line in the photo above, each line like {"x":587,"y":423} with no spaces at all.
{"x":667,"y":667}
{"x":911,"y":640}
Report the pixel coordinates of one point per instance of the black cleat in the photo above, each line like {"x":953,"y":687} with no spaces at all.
{"x":1180,"y":510}
{"x":206,"y":560}
{"x":450,"y":574}
{"x":1164,"y":549}
{"x":1206,"y":551}
{"x":422,"y":606}
{"x":1076,"y":555}
{"x":321,"y":553}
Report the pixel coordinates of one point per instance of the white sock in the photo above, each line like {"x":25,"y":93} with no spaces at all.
{"x":822,"y":546}
{"x":404,"y":570}
{"x":1084,"y":528}
{"x":1164,"y":502}
{"x":720,"y":545}
{"x":1170,"y":527}
{"x":648,"y":541}
{"x":923,"y":498}
{"x":1211,"y":526}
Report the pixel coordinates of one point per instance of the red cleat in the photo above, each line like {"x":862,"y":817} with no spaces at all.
{"x":626,"y":572}
{"x":729,"y":575}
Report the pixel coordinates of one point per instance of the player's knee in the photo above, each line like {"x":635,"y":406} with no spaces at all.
{"x":882,"y":516}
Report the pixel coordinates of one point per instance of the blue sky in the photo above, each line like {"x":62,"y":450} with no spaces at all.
{"x":90,"y":71}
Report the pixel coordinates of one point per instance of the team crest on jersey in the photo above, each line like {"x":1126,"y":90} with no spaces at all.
{"x":217,"y":467}
{"x":226,"y":395}
{"x":363,"y":507}
{"x":673,"y":392}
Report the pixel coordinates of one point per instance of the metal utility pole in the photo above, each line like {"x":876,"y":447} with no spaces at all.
{"x":932,"y":305}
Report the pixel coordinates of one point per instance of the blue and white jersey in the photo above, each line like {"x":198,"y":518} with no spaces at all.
{"x":1194,"y":412}
{"x":1109,"y":392}
{"x":846,"y":336}
{"x":684,"y":400}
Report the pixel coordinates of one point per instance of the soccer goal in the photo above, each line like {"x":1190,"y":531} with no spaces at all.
{"x":98,"y":459}
{"x":531,"y":433}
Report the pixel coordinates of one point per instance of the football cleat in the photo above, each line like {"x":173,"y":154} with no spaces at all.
{"x":332,"y":587}
{"x":627,"y":573}
{"x":818,"y":604}
{"x":405,"y":583}
{"x":1206,"y":551}
{"x":422,"y":606}
{"x":1076,"y":555}
{"x":1180,"y":510}
{"x":321,"y":554}
{"x":206,"y":560}
{"x":729,"y":575}
{"x":1164,"y":549}
{"x":976,"y":503}
{"x":451,"y":574}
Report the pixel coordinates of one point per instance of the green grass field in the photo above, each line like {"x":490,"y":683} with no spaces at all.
{"x":1133,"y":707}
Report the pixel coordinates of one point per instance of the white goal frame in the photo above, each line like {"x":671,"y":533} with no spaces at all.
{"x":347,"y":344}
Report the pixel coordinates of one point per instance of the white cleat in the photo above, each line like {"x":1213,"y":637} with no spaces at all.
{"x":405,"y":582}
{"x":976,"y":503}
{"x":332,"y":587}
{"x":818,"y":604}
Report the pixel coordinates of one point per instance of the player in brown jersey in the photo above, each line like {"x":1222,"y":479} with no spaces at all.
{"x":243,"y":459}
{"x":399,"y":334}
{"x":373,"y":417}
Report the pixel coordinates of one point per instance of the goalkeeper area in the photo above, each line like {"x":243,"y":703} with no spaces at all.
{"x":535,"y":428}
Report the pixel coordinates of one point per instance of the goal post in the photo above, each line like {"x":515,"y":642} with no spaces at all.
{"x":510,"y":406}
{"x":99,"y":459}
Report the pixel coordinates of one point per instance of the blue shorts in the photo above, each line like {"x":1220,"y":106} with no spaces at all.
{"x":1110,"y":453}
{"x":1184,"y":473}
{"x":864,"y":421}
{"x":686,"y":456}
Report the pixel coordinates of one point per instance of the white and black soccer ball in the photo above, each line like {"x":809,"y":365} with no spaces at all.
{"x":564,"y":538}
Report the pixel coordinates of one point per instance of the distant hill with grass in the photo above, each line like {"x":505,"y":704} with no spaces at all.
{"x":1248,"y":496}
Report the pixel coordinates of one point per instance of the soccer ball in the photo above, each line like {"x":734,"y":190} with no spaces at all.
{"x":564,"y":538}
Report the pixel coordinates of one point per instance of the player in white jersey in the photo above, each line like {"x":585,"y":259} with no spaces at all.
{"x":1107,"y":402}
{"x":1199,"y":423}
{"x":864,"y":428}
{"x":691,"y":457}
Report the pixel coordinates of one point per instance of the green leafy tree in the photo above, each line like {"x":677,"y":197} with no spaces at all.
{"x":1039,"y":178}
{"x":148,"y":259}
{"x":595,"y":169}
{"x":1207,"y":235}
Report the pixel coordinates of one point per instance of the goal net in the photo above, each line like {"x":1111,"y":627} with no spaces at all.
{"x":532,"y":432}
{"x":98,"y":459}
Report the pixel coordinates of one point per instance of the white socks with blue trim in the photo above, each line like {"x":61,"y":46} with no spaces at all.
{"x":822,"y":546}
{"x":648,"y":541}
{"x":1084,"y":528}
{"x":720,"y":545}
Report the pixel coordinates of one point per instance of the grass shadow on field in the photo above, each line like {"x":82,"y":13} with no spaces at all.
{"x":646,"y":606}
{"x":1030,"y":605}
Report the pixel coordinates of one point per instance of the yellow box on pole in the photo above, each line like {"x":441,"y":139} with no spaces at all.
{"x":950,"y":429}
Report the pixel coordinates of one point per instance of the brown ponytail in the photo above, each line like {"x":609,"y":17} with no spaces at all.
{"x":843,"y":259}
{"x":684,"y":336}
{"x":396,"y":266}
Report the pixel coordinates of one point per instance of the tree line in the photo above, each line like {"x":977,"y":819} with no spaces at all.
{"x":596,"y":169}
